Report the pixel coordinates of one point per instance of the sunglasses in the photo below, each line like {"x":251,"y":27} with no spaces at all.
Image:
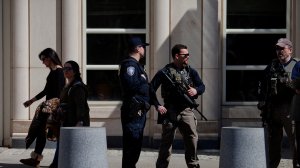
{"x":279,"y":48}
{"x":67,"y":68}
{"x":185,"y":55}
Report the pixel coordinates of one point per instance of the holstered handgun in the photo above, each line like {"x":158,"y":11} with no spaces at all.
{"x":138,"y":107}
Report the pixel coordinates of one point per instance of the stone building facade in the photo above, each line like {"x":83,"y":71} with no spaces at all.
{"x":222,"y":37}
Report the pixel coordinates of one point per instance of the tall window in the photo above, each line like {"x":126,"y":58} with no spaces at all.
{"x":109,"y":23}
{"x":251,"y":30}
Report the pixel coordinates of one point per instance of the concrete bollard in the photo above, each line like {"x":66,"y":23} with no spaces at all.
{"x":243,"y":148}
{"x":82,"y":147}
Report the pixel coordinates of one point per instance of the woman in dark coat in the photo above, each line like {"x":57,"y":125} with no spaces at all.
{"x":73,"y":102}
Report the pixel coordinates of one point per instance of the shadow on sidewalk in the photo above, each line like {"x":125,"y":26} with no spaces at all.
{"x":200,"y":152}
{"x":13,"y":165}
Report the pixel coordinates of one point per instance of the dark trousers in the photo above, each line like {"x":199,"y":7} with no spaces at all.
{"x":55,"y":158}
{"x":297,"y":132}
{"x":133,"y":130}
{"x":41,"y":134}
{"x":280,"y":119}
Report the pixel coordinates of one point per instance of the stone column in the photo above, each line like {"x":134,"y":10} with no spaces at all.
{"x":71,"y":30}
{"x":1,"y":72}
{"x":161,"y":30}
{"x":211,"y":61}
{"x":160,"y":42}
{"x":20,"y":57}
{"x":297,"y":28}
{"x":7,"y":73}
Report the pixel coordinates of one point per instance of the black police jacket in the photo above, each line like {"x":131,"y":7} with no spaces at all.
{"x":134,"y":81}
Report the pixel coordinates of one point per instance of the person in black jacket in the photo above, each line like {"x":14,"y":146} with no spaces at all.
{"x":136,"y":97}
{"x":295,"y":111}
{"x":73,"y":102}
{"x":177,"y":111}
{"x":54,"y":85}
{"x":275,"y":100}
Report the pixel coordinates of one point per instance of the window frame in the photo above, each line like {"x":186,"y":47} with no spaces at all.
{"x":226,"y":31}
{"x":87,"y":31}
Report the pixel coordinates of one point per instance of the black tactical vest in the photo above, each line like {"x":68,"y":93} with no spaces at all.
{"x":180,"y":77}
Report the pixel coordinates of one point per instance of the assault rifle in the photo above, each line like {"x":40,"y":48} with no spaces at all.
{"x":267,"y":88}
{"x":264,"y":103}
{"x":182,"y":90}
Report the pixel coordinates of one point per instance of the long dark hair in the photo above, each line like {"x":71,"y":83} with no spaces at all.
{"x":75,"y":67}
{"x":77,"y":75}
{"x":50,"y":53}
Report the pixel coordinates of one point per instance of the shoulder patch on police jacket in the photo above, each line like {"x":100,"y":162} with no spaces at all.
{"x":130,"y":70}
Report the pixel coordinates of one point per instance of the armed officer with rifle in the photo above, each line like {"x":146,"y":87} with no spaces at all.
{"x":276,"y":93}
{"x":180,"y":86}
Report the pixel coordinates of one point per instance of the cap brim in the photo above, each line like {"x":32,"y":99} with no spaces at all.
{"x":146,"y":44}
{"x":281,"y":44}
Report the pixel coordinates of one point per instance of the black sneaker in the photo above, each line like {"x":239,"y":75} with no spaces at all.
{"x":30,"y":162}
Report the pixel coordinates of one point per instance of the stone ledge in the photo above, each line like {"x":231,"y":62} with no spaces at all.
{"x":22,"y":126}
{"x":240,"y":112}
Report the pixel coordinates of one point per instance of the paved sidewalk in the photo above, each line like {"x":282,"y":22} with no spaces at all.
{"x":9,"y":158}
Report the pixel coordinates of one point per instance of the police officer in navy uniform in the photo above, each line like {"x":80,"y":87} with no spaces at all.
{"x":176,"y":112}
{"x":135,"y":97}
{"x":276,"y":95}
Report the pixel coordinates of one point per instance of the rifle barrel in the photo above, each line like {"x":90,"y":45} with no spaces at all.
{"x":202,"y":116}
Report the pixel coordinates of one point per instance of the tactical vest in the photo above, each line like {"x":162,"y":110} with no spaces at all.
{"x":289,"y":68}
{"x":179,"y":77}
{"x":280,"y":85}
{"x":279,"y":71}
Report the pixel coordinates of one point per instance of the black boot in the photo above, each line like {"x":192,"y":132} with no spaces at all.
{"x":34,"y":161}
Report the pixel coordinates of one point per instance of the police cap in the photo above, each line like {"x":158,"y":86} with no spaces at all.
{"x":136,"y":41}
